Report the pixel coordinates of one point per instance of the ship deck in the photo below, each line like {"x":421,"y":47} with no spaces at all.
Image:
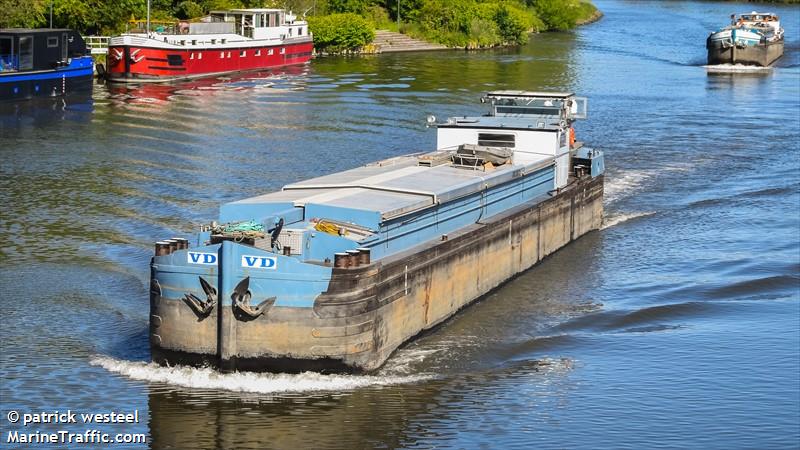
{"x":394,"y":187}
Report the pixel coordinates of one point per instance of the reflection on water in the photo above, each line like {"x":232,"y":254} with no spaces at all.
{"x":675,"y":326}
{"x":288,"y":78}
{"x":42,"y":112}
{"x":405,"y":415}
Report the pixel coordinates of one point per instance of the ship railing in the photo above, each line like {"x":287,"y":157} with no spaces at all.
{"x":156,"y":26}
{"x":97,"y":45}
{"x":9,"y":63}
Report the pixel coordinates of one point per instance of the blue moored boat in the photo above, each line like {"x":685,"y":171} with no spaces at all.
{"x":336,"y":272}
{"x":43,"y":62}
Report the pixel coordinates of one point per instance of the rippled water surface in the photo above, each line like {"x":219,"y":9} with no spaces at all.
{"x":676,"y":325}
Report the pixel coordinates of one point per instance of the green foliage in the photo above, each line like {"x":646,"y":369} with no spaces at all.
{"x":95,"y":16}
{"x":338,"y":25}
{"x":587,"y":12}
{"x":409,"y":9}
{"x":558,"y":14}
{"x":189,"y":10}
{"x":380,"y":19}
{"x":474,"y":23}
{"x":23,"y":13}
{"x":338,"y":33}
{"x":215,"y":5}
{"x":483,"y":33}
{"x":359,"y":7}
{"x":514,"y":23}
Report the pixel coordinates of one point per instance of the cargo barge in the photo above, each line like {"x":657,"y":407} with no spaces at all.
{"x":751,"y":39}
{"x":334,"y":273}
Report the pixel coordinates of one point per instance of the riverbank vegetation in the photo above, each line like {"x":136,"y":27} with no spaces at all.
{"x":338,"y":25}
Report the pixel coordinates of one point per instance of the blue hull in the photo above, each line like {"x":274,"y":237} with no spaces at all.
{"x":75,"y":77}
{"x":336,"y":272}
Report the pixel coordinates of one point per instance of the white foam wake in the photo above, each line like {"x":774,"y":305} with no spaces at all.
{"x":263,"y":383}
{"x":610,"y":221}
{"x":624,"y":184}
{"x":737,"y":68}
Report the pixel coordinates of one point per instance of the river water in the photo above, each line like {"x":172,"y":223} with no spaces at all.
{"x":675,"y":326}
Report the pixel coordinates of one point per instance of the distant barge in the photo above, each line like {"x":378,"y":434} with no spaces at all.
{"x":43,"y":62}
{"x":334,"y":273}
{"x":751,"y":39}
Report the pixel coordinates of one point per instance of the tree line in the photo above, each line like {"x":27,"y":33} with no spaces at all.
{"x":338,"y":25}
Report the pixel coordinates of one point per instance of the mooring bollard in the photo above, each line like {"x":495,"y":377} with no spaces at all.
{"x":340,"y":260}
{"x":363,"y":256}
{"x":162,"y":248}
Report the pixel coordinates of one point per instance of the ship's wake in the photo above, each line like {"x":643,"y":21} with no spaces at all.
{"x":248,"y":382}
{"x":623,"y":185}
{"x":736,"y":68}
{"x":617,"y":219}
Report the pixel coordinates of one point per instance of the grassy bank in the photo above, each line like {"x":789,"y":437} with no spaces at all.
{"x":460,"y":23}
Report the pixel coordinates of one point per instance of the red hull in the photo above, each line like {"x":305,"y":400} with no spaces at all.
{"x":139,"y":63}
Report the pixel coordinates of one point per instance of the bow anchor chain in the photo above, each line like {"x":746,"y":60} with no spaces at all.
{"x":241,"y":300}
{"x":200,"y":307}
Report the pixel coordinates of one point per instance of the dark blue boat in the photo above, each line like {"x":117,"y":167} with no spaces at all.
{"x":43,"y":62}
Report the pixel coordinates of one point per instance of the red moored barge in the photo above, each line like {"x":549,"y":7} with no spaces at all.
{"x":226,"y":41}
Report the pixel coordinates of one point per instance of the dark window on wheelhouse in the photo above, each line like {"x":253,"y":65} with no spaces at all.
{"x":52,"y":41}
{"x":496,"y":140}
{"x":8,"y":61}
{"x":26,"y":53}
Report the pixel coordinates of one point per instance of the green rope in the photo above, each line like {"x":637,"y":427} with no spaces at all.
{"x":240,"y":227}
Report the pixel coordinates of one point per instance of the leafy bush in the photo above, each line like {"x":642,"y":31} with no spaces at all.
{"x":188,"y":10}
{"x":471,"y":23}
{"x":338,"y":33}
{"x":483,"y":33}
{"x":380,"y":19}
{"x":558,"y":14}
{"x":513,"y":23}
{"x":349,"y":6}
{"x":587,"y":11}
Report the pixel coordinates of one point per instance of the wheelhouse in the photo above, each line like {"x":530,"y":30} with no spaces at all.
{"x":23,"y":49}
{"x":262,"y":23}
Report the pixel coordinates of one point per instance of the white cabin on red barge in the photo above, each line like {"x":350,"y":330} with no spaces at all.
{"x":226,"y":41}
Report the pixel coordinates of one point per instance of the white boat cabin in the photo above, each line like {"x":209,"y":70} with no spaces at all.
{"x":235,"y":28}
{"x":535,"y":125}
{"x":261,"y":23}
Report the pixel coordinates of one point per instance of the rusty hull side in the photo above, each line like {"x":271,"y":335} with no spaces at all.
{"x":418,"y":289}
{"x":369,"y":311}
{"x":760,"y":55}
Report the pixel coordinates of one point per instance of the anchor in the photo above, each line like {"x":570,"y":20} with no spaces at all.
{"x":202,"y":308}
{"x":241,"y":300}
